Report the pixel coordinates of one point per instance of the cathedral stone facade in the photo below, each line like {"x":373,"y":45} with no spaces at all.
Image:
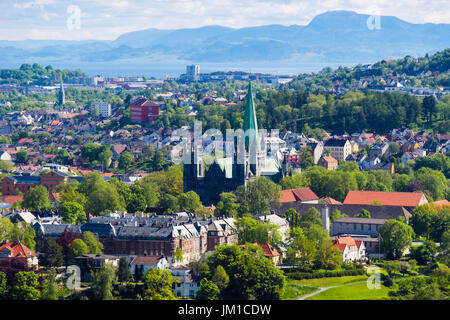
{"x":249,"y":160}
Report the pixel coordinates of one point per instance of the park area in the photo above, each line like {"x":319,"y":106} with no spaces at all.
{"x":333,"y":288}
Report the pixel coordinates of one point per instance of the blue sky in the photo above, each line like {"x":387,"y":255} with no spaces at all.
{"x":107,"y":19}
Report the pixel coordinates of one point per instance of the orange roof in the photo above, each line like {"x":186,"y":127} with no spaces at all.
{"x":300,"y":194}
{"x":329,"y":159}
{"x":342,"y":242}
{"x":405,"y":199}
{"x":17,"y":250}
{"x":269,"y":251}
{"x":69,"y":115}
{"x":25,"y":140}
{"x":442,"y":203}
{"x":11,"y":199}
{"x":119,"y":148}
{"x":330,"y":200}
{"x":55,"y":122}
{"x":107,"y":174}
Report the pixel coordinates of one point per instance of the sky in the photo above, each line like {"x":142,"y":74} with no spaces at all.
{"x":108,"y":19}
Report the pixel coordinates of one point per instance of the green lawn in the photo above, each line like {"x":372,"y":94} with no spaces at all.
{"x":357,"y":291}
{"x":329,"y":282}
{"x":294,"y":290}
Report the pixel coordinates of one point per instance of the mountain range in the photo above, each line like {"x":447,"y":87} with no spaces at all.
{"x":334,"y":36}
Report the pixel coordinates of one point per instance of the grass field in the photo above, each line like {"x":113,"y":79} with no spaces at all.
{"x":294,"y":290}
{"x":357,"y":291}
{"x":329,"y":282}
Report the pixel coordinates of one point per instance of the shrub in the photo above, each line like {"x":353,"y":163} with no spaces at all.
{"x":341,"y":273}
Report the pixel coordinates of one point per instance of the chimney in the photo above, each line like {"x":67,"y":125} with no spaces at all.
{"x":326,"y":218}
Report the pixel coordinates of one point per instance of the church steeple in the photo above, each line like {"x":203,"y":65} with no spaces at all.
{"x":250,"y":121}
{"x":61,"y":94}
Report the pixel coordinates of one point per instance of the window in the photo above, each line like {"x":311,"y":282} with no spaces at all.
{"x":354,"y":226}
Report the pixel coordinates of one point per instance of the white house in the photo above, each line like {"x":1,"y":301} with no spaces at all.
{"x":145,"y":263}
{"x":351,"y":250}
{"x":5,"y":156}
{"x":281,"y":222}
{"x":185,"y":285}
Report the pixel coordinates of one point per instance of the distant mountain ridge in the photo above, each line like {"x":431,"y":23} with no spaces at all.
{"x":335,"y":36}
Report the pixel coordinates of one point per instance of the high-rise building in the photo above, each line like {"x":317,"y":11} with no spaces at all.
{"x":193,"y":72}
{"x":103,"y":107}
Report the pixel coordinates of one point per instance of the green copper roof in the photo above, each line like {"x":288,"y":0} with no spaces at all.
{"x":250,"y":121}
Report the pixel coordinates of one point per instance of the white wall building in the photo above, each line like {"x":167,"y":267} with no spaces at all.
{"x":103,"y":107}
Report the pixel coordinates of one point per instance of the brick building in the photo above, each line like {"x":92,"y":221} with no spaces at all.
{"x":23,"y":183}
{"x":142,"y":110}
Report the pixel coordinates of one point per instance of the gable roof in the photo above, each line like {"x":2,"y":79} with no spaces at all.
{"x":330,"y":200}
{"x":404,"y":199}
{"x":300,"y":194}
{"x":329,"y":159}
{"x":143,"y":102}
{"x":343,"y":242}
{"x":18,"y":250}
{"x":269,"y":251}
{"x":148,"y":260}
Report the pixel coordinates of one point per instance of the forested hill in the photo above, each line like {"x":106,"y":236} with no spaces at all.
{"x":37,"y":75}
{"x":438,"y":62}
{"x":427,"y":71}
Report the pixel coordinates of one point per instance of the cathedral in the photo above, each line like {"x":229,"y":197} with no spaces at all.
{"x":248,"y":160}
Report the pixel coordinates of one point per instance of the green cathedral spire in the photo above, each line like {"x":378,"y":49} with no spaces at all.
{"x":250,"y":122}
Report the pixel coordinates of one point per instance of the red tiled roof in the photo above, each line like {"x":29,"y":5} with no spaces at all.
{"x":143,"y":102}
{"x":107,"y":174}
{"x":330,"y":200}
{"x":442,"y":203}
{"x":342,"y":242}
{"x":269,"y":251}
{"x":329,"y":159}
{"x":70,"y":115}
{"x":119,"y":148}
{"x":404,"y":199}
{"x":11,"y":199}
{"x":25,"y":140}
{"x":18,"y":250}
{"x":301,"y":194}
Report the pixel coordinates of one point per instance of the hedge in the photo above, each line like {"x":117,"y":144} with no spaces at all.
{"x":308,"y":275}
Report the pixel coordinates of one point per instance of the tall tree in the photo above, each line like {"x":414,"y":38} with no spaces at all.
{"x":102,"y":282}
{"x":158,"y":285}
{"x":395,"y":238}
{"x":36,"y":199}
{"x":207,"y":290}
{"x":123,"y":271}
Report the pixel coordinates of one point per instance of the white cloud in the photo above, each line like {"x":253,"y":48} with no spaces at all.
{"x":107,"y":19}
